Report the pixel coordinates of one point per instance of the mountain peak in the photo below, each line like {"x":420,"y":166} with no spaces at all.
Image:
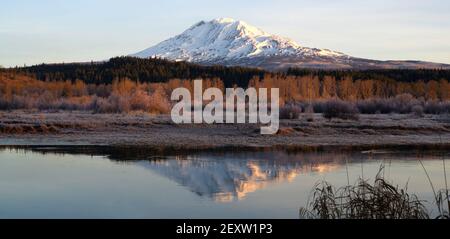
{"x":224,"y":20}
{"x":226,"y":41}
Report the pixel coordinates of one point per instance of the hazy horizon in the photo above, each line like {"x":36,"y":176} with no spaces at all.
{"x":66,"y":31}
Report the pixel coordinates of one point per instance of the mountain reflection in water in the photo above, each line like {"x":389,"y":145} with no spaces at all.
{"x":231,"y":176}
{"x":228,"y":179}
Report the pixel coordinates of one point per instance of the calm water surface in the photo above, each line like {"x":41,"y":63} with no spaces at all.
{"x":208,"y":185}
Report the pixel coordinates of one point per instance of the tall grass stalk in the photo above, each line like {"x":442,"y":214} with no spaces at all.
{"x":380,"y":200}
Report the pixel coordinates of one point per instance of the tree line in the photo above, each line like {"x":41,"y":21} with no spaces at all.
{"x":151,"y":70}
{"x":127,"y":83}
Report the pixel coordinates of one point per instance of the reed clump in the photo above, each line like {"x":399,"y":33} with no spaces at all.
{"x":380,"y":200}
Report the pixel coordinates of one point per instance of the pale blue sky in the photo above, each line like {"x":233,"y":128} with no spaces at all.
{"x":33,"y":32}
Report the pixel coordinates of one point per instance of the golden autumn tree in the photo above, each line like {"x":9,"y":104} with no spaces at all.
{"x":329,"y":87}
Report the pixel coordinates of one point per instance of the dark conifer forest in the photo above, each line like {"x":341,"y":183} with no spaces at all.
{"x":155,"y":70}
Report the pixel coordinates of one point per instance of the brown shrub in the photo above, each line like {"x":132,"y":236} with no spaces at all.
{"x":340,"y":109}
{"x":290,"y":112}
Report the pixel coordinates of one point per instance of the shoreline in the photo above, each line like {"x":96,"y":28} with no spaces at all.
{"x":130,"y":152}
{"x":158,"y":133}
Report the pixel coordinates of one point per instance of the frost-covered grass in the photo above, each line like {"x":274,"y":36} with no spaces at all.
{"x":153,"y":130}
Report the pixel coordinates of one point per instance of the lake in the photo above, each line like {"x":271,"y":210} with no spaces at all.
{"x":59,"y":183}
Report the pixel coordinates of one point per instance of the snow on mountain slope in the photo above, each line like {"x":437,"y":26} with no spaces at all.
{"x":231,"y":42}
{"x":227,"y":39}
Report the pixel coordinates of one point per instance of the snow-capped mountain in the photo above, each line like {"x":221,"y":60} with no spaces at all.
{"x":226,"y":41}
